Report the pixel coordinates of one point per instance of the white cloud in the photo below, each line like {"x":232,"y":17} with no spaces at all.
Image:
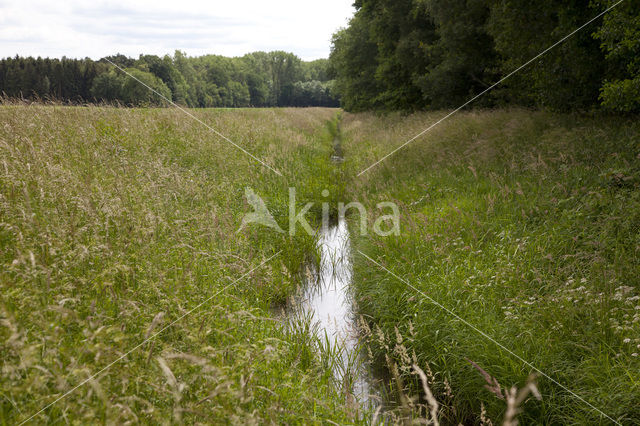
{"x":80,"y":29}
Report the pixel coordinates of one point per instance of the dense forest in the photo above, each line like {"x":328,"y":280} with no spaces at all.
{"x":422,"y":54}
{"x":258,"y":79}
{"x":394,"y":55}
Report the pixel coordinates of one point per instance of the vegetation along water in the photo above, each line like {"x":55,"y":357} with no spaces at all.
{"x":139,"y":283}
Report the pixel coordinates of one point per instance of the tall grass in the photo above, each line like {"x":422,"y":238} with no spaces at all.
{"x":526,"y":224}
{"x":114,"y":223}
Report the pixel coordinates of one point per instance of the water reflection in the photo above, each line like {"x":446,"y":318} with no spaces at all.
{"x":327,"y":299}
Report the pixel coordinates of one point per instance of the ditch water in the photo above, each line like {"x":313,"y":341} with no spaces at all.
{"x":327,"y":301}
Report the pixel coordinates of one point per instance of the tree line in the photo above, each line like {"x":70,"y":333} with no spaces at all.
{"x":420,"y":54}
{"x":258,"y":79}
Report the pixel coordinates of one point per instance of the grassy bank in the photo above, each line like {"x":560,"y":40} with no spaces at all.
{"x":115,"y":223}
{"x":527,"y":226}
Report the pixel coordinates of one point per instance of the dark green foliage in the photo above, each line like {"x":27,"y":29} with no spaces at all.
{"x":112,"y":86}
{"x":313,"y":93}
{"x":134,"y":93}
{"x":315,"y":70}
{"x":107,"y":86}
{"x":462,"y":57}
{"x":417,"y":54}
{"x":565,"y":78}
{"x":620,"y":38}
{"x":412,"y":54}
{"x":257,"y":79}
{"x":42,"y":78}
{"x":353,"y":63}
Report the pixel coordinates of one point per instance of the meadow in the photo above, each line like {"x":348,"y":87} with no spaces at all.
{"x":521,"y":225}
{"x":117,"y":224}
{"x":120,"y":225}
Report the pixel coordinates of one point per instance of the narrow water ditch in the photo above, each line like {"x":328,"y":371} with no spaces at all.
{"x":326,"y":300}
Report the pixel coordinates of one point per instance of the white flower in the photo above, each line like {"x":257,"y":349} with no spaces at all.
{"x":627,"y":340}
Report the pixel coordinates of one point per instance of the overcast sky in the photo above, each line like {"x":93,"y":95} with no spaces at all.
{"x":81,"y":28}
